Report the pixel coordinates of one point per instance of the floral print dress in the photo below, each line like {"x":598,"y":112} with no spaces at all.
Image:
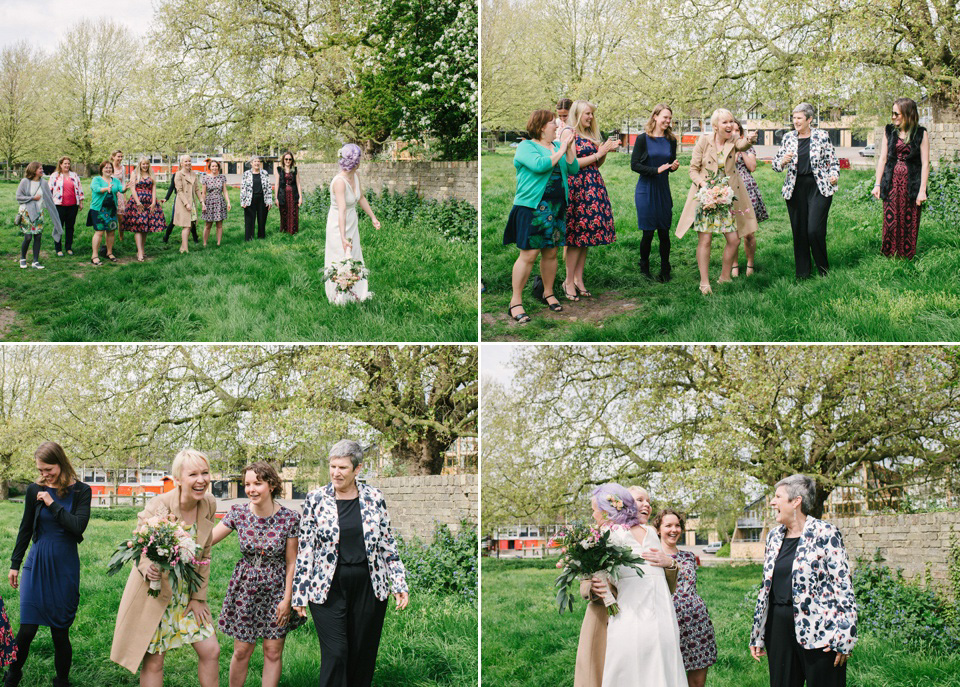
{"x":177,"y":627}
{"x":753,"y":190}
{"x":215,"y":206}
{"x":697,"y":643}
{"x":8,"y":643}
{"x":259,"y":580}
{"x":26,"y":226}
{"x":589,"y":214}
{"x":145,"y":217}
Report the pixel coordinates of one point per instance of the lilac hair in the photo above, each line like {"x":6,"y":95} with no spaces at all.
{"x":349,"y":156}
{"x":627,"y":515}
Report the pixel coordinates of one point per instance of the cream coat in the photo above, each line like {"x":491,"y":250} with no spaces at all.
{"x":187,"y":187}
{"x":705,"y":160}
{"x":139,"y":613}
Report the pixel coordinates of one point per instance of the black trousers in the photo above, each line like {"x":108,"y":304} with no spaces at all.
{"x":348,"y":625}
{"x":68,"y":218}
{"x":790,"y":664}
{"x":646,"y":243}
{"x":256,"y":211}
{"x":808,"y":210}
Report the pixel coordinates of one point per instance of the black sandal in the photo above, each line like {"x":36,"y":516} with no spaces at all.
{"x":96,"y":262}
{"x":522,"y":318}
{"x":555,"y":307}
{"x":111,"y":257}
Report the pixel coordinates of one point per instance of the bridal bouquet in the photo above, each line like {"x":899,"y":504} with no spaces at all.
{"x":587,"y":552}
{"x":715,"y":203}
{"x":166,"y":543}
{"x":344,"y":275}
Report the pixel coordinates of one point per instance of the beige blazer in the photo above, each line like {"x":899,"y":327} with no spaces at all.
{"x":592,"y":647}
{"x":705,"y":160}
{"x":187,"y":189}
{"x":139,"y":613}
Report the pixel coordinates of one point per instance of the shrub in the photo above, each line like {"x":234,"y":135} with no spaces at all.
{"x":114,"y":514}
{"x":448,"y":565}
{"x":888,"y":606}
{"x":943,"y":191}
{"x":455,"y":220}
{"x":724,"y":551}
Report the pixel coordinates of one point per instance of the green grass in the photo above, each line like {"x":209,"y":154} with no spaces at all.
{"x":866,"y":297}
{"x":526,"y":642}
{"x":433,"y":642}
{"x":270,"y":290}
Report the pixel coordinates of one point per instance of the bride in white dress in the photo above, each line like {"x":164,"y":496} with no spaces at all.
{"x":643,"y":639}
{"x":343,"y":230}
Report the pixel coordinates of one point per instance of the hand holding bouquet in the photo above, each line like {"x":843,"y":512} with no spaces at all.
{"x":715,"y":202}
{"x":165,"y":543}
{"x":344,"y":275}
{"x":587,"y":552}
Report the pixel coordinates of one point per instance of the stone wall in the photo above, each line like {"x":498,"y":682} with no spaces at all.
{"x":415,"y":504}
{"x":944,"y":140}
{"x":906,"y":541}
{"x":436,"y":180}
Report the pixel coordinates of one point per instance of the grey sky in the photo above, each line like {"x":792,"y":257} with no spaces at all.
{"x":44,"y":22}
{"x":495,"y":362}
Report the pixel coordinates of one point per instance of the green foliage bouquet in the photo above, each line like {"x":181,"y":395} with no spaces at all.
{"x":166,"y":543}
{"x":587,"y":552}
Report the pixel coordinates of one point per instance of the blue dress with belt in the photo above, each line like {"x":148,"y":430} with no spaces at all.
{"x":652,"y":195}
{"x":50,"y":579}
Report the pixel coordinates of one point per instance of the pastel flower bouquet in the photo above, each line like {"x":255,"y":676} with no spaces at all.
{"x":715,"y":203}
{"x":166,"y":543}
{"x":344,"y":275}
{"x":586,"y":552}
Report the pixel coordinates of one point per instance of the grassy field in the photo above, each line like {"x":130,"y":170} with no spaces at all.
{"x":526,"y":642}
{"x":866,"y":297}
{"x":433,"y":642}
{"x":270,"y":290}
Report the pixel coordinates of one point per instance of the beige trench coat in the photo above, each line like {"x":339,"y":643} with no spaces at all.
{"x":187,"y":188}
{"x":139,"y":613}
{"x":592,"y":647}
{"x":705,"y":160}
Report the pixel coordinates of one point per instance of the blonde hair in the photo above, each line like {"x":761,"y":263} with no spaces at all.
{"x":135,"y":175}
{"x":577,"y":111}
{"x":718,"y":113}
{"x":187,"y":455}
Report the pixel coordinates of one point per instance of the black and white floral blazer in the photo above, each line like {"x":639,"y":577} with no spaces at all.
{"x":823,"y":604}
{"x":246,"y":188}
{"x":823,"y":162}
{"x":320,"y":546}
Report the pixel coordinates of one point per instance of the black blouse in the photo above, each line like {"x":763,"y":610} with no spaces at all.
{"x":257,"y":185}
{"x":352,"y":549}
{"x":781,"y":589}
{"x":803,"y":157}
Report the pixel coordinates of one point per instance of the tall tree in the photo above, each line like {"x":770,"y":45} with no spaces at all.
{"x":23,"y":96}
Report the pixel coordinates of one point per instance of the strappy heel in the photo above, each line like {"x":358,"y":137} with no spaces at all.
{"x":521,"y":317}
{"x":555,"y":307}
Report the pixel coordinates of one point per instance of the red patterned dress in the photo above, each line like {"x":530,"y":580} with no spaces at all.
{"x":589,"y":215}
{"x":901,"y":214}
{"x":289,"y":208}
{"x":145,"y":217}
{"x":8,"y":644}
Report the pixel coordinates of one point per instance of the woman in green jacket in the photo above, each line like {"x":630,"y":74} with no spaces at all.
{"x":105,"y":190}
{"x":537,"y":222}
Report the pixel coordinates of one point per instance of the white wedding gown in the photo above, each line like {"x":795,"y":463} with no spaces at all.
{"x":334,"y":246}
{"x":643,"y":640}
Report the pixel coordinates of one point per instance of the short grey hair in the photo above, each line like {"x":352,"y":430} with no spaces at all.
{"x":802,"y":486}
{"x":347,"y":448}
{"x":806,"y":109}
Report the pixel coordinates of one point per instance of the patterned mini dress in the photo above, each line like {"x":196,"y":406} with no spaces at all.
{"x":753,"y":190}
{"x":697,"y":643}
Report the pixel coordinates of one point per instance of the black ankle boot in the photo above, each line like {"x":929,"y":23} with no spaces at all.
{"x":57,"y":682}
{"x":645,"y":269}
{"x":12,"y":678}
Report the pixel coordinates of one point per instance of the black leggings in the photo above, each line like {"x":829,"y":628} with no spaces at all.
{"x":62,"y":650}
{"x":68,"y":218}
{"x":646,"y":243}
{"x":26,"y":244}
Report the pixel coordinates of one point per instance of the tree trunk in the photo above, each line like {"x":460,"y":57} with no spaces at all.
{"x":4,"y":489}
{"x":423,"y":456}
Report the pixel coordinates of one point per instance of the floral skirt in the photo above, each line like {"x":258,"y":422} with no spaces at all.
{"x":715,"y":223}
{"x":27,"y":227}
{"x":177,"y":627}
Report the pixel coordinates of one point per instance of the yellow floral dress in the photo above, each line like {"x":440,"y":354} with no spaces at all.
{"x":177,"y":627}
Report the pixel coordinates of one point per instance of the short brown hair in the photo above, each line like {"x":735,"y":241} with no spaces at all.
{"x":104,"y":164}
{"x":564,"y":104}
{"x":658,"y":519}
{"x":538,"y":120}
{"x":266,"y":473}
{"x":51,"y":453}
{"x":31,"y":170}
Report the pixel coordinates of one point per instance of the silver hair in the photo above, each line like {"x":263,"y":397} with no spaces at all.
{"x":347,"y":448}
{"x":255,"y":157}
{"x":806,"y":109}
{"x":802,"y":486}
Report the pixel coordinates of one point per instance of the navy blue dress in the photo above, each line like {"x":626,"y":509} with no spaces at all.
{"x":652,"y":196}
{"x":50,"y":579}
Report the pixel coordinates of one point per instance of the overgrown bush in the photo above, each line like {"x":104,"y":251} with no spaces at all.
{"x":448,"y":565}
{"x":455,"y":220}
{"x":724,"y":551}
{"x":943,"y":191}
{"x":889,"y":606}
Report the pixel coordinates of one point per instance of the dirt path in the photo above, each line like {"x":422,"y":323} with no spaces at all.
{"x":594,"y":310}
